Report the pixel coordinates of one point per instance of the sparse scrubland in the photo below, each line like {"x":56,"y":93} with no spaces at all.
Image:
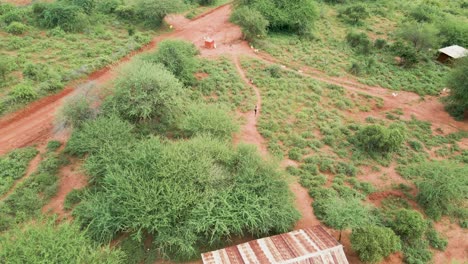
{"x":165,"y":180}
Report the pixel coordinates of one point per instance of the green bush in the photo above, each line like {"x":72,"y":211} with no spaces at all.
{"x":188,"y":195}
{"x":14,"y":15}
{"x":6,"y":66}
{"x":75,"y":111}
{"x":23,"y":92}
{"x":423,"y":13}
{"x":373,"y":243}
{"x":422,"y":36}
{"x":408,"y":53}
{"x":457,"y":81}
{"x":87,"y":6}
{"x":409,"y":225}
{"x":70,"y":18}
{"x":380,"y":43}
{"x":452,"y":32}
{"x":212,"y":120}
{"x":341,"y":213}
{"x":442,"y":186}
{"x":13,"y":166}
{"x":72,"y":198}
{"x":252,"y":22}
{"x":53,"y":145}
{"x":125,"y":11}
{"x":379,"y":139}
{"x":146,"y":91}
{"x":360,"y":42}
{"x":286,"y":15}
{"x":435,"y":240}
{"x":16,"y":28}
{"x":417,"y":252}
{"x":152,"y":12}
{"x":178,"y":57}
{"x":108,"y":6}
{"x":50,"y":243}
{"x":354,"y":14}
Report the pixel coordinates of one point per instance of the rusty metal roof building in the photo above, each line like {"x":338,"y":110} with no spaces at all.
{"x":309,"y":246}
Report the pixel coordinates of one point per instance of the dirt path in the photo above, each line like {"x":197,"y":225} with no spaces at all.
{"x":249,"y":134}
{"x":69,"y":178}
{"x":32,"y":167}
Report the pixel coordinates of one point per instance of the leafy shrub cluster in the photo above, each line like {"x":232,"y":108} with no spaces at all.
{"x":457,"y":81}
{"x":442,"y":187}
{"x":252,"y":22}
{"x":64,"y":243}
{"x":374,"y":243}
{"x":380,"y":139}
{"x":354,"y":14}
{"x":178,"y":57}
{"x":179,"y":192}
{"x":282,"y":15}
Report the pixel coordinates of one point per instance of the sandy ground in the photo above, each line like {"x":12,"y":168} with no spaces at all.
{"x":34,"y":124}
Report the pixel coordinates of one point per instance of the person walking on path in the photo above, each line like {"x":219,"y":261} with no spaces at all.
{"x":256,"y":109}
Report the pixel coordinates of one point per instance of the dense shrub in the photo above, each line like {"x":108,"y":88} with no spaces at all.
{"x":408,"y":53}
{"x":147,"y":91}
{"x":76,"y":111}
{"x":13,"y":166}
{"x":373,"y":243}
{"x":94,"y":134}
{"x":23,"y":92}
{"x":380,"y":139}
{"x":359,"y":42}
{"x":409,"y":225}
{"x":442,"y":186}
{"x":16,"y":28}
{"x":417,"y":252}
{"x":108,"y":6}
{"x":87,"y":6}
{"x":354,"y":14}
{"x":125,"y":11}
{"x":252,"y":22}
{"x":452,"y":32}
{"x":152,"y":12}
{"x":6,"y":66}
{"x":423,"y":13}
{"x":212,"y":120}
{"x":68,"y":17}
{"x":435,"y":240}
{"x":457,"y":81}
{"x":14,"y":15}
{"x":178,"y":57}
{"x":286,"y":15}
{"x":380,"y":43}
{"x":341,"y":214}
{"x":187,"y":195}
{"x":49,"y":243}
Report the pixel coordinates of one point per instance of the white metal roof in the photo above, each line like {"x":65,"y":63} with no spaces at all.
{"x":454,"y":51}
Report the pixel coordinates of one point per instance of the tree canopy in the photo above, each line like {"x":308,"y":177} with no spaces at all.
{"x":374,"y":243}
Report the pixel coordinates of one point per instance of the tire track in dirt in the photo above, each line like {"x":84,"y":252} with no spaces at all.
{"x":249,"y":134}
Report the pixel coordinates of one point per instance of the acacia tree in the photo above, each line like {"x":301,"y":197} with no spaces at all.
{"x":458,"y":84}
{"x":342,"y":214}
{"x":154,"y":11}
{"x":374,"y":243}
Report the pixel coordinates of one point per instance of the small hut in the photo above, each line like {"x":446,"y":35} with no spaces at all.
{"x":304,"y":246}
{"x":451,"y":53}
{"x":210,"y":43}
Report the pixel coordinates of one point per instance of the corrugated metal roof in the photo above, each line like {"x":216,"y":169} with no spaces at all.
{"x":311,"y":245}
{"x":455,"y":51}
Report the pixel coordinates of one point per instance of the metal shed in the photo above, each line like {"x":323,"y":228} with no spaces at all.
{"x":452,"y":52}
{"x":311,"y":245}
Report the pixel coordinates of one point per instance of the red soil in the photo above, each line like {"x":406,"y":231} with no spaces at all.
{"x":34,"y":124}
{"x":69,"y":178}
{"x":457,"y":248}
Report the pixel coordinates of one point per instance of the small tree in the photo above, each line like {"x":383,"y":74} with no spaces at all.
{"x":409,"y":225}
{"x":458,"y":84}
{"x":379,"y":139}
{"x":373,"y":243}
{"x":422,"y":36}
{"x":253,"y":24}
{"x":76,"y":111}
{"x":342,"y":214}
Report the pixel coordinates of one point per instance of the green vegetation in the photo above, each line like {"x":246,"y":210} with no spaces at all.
{"x":296,"y":16}
{"x":252,"y":22}
{"x":442,"y":187}
{"x":13,"y":166}
{"x":48,"y":44}
{"x":47,"y":242}
{"x":178,"y":57}
{"x":374,"y":243}
{"x":378,"y":139}
{"x":457,"y":81}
